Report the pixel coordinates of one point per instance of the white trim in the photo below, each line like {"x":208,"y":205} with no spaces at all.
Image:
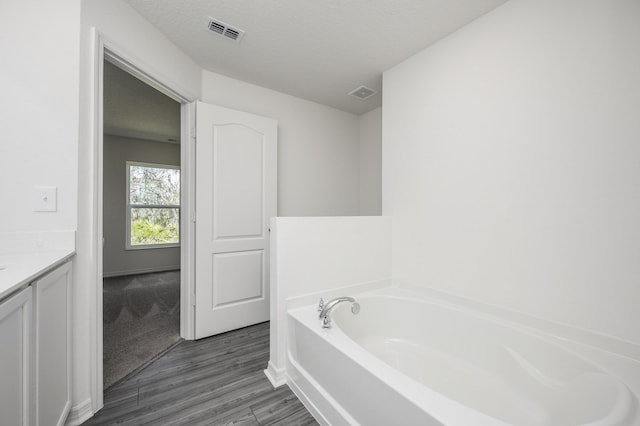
{"x":187,"y":220}
{"x":138,"y":69}
{"x":152,"y":246}
{"x":141,"y":271}
{"x":105,"y":49}
{"x":96,"y":391}
{"x":80,"y":413}
{"x":277,"y":376}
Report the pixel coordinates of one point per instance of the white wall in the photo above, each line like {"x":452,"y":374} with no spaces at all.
{"x":370,"y":167}
{"x":116,"y":259}
{"x":318,"y":152}
{"x":511,"y":162}
{"x":313,"y":256}
{"x":40,"y":42}
{"x":125,"y":29}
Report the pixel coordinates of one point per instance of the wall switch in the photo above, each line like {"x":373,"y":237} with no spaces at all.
{"x":44,"y":199}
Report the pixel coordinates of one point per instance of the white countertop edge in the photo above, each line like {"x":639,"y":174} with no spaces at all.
{"x":24,"y":268}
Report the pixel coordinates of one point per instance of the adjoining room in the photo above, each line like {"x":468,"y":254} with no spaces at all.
{"x":141,"y":211}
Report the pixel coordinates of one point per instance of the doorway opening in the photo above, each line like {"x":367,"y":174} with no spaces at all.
{"x":141,"y":167}
{"x":107,"y":51}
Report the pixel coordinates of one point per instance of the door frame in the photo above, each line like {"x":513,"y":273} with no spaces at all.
{"x":105,"y":49}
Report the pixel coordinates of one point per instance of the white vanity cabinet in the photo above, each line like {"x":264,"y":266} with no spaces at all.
{"x":15,"y":358}
{"x":51,"y":381}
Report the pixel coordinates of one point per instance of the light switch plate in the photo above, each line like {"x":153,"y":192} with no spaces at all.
{"x":44,"y":199}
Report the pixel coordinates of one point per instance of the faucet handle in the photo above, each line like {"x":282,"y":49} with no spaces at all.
{"x":321,"y":305}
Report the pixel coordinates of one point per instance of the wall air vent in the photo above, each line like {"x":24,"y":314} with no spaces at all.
{"x":225,"y":30}
{"x":363,"y":93}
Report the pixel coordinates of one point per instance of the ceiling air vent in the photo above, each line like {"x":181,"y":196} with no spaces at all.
{"x":363,"y":93}
{"x":225,"y":30}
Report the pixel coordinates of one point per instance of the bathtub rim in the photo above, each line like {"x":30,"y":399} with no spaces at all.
{"x":561,"y":332}
{"x":610,"y":354}
{"x":624,"y":408}
{"x":448,"y":409}
{"x":615,"y":356}
{"x":400,"y":293}
{"x":602,"y":341}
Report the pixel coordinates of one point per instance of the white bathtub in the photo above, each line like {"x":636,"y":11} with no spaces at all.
{"x":416,"y":362}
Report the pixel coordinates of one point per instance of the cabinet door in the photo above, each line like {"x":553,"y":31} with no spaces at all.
{"x":15,"y":358}
{"x":52,"y":384}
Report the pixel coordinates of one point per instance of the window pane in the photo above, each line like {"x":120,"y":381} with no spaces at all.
{"x":155,"y":226}
{"x":154,"y":186}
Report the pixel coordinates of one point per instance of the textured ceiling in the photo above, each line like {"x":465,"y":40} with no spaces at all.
{"x":134,"y":109}
{"x":318,"y":50}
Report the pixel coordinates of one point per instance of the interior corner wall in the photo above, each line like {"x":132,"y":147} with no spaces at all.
{"x":370,"y":171}
{"x":318,"y":156}
{"x":511,"y":163}
{"x":117,"y":260}
{"x":39,"y":110}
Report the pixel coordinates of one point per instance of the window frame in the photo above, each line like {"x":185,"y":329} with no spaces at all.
{"x":129,"y":206}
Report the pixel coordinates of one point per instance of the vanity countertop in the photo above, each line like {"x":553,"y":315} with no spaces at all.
{"x":26,"y":256}
{"x":19,"y":269}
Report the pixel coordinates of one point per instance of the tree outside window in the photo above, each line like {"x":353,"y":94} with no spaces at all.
{"x":153,"y":205}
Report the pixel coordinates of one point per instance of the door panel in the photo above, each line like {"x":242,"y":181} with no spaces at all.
{"x":236,"y":156}
{"x":240,"y":276}
{"x":238,"y":182}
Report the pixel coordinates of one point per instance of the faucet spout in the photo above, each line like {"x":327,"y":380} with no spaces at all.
{"x":327,"y":307}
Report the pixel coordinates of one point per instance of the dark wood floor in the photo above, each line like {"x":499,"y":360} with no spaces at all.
{"x":214,"y":381}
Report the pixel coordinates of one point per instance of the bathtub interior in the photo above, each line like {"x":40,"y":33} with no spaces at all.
{"x":342,"y":388}
{"x":497,"y":369}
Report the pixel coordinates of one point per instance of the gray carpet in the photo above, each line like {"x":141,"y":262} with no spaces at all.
{"x":141,"y":319}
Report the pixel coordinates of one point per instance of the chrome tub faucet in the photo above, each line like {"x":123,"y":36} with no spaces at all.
{"x":325,"y":309}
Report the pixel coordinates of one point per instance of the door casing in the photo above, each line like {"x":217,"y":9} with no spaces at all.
{"x":105,"y":49}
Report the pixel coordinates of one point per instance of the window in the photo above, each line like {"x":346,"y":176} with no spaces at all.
{"x":153,"y":205}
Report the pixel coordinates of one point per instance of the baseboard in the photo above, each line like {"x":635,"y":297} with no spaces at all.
{"x":80,"y":413}
{"x":275,"y":375}
{"x":140,"y":271}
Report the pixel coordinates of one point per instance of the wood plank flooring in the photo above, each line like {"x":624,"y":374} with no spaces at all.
{"x":213,"y":381}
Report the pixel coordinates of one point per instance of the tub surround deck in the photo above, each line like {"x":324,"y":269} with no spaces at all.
{"x":26,"y":256}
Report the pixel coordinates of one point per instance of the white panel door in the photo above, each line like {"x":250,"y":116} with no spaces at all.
{"x":236,"y":184}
